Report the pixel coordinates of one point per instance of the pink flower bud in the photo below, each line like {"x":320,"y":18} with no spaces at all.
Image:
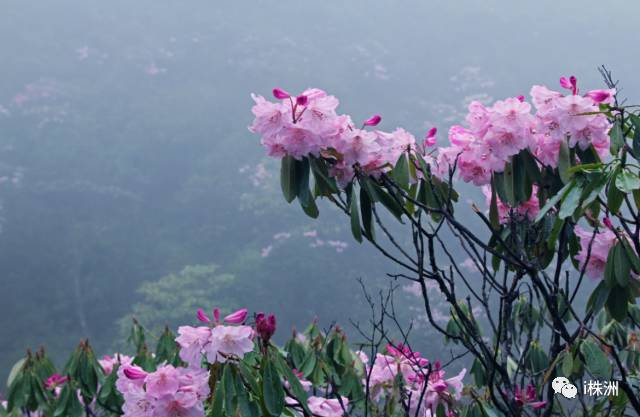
{"x":134,"y":372}
{"x":601,"y":96}
{"x":570,"y":83}
{"x":280,"y":94}
{"x":430,"y":139}
{"x":238,"y":317}
{"x":54,"y":381}
{"x":216,"y":315}
{"x":607,"y":222}
{"x":203,"y":317}
{"x":373,"y":121}
{"x":520,"y":98}
{"x":265,"y":326}
{"x":302,"y":100}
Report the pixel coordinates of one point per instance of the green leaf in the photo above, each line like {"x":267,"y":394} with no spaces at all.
{"x":294,"y":383}
{"x":595,"y":359}
{"x":288,"y":178}
{"x":366,"y":209}
{"x":571,"y":201}
{"x":320,"y":173}
{"x":627,"y":181}
{"x":272,"y":390}
{"x":617,"y":303}
{"x":564,"y":162}
{"x":355,"y":217}
{"x":509,"y":186}
{"x":531,"y":166}
{"x":598,"y":298}
{"x":567,"y":364}
{"x":635,"y":120}
{"x":614,"y":196}
{"x":228,"y":386}
{"x":553,"y":201}
{"x":400,"y":172}
{"x":617,"y":138}
{"x":622,"y":266}
{"x":494,"y":215}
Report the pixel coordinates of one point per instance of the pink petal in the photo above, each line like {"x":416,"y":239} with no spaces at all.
{"x":373,"y":121}
{"x":237,"y":317}
{"x":280,"y":94}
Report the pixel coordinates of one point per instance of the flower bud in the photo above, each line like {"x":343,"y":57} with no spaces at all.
{"x":430,"y":139}
{"x":607,"y":222}
{"x":237,"y":317}
{"x":54,"y":381}
{"x":520,"y":98}
{"x":203,"y":317}
{"x":216,"y":315}
{"x":601,"y":96}
{"x":134,"y":372}
{"x":280,"y":94}
{"x":373,"y":121}
{"x":302,"y":100}
{"x":265,"y":326}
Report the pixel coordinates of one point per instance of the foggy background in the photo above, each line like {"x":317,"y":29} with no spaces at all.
{"x":130,"y":184}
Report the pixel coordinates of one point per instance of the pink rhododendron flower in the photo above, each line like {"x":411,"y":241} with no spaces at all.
{"x":438,"y":390}
{"x":229,"y":342}
{"x":601,"y":242}
{"x":528,"y":397}
{"x":163,"y":382}
{"x":167,"y":392}
{"x":109,"y":362}
{"x":494,"y":135}
{"x":192,"y":341}
{"x":527,"y":210}
{"x":559,"y":117}
{"x":327,"y":407}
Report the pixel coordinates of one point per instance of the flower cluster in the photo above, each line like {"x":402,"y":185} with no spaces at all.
{"x":421,"y":380}
{"x":308,"y":125}
{"x":560,"y":117}
{"x":167,"y":392}
{"x":494,"y":135}
{"x":594,"y":250}
{"x":216,"y":342}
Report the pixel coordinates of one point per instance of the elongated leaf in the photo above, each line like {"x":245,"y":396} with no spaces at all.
{"x":595,"y":359}
{"x":627,"y":181}
{"x":366,"y":209}
{"x":228,"y":384}
{"x":553,"y":201}
{"x":320,"y":173}
{"x":355,"y":216}
{"x":617,"y":303}
{"x":564,"y":162}
{"x":494,"y":215}
{"x":615,"y":198}
{"x":598,"y":298}
{"x":635,"y":120}
{"x":288,"y":178}
{"x":509,"y":186}
{"x":570,"y":202}
{"x":400,"y":172}
{"x":272,"y":390}
{"x":617,"y":138}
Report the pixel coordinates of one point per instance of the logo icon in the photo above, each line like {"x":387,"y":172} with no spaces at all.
{"x":564,"y":387}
